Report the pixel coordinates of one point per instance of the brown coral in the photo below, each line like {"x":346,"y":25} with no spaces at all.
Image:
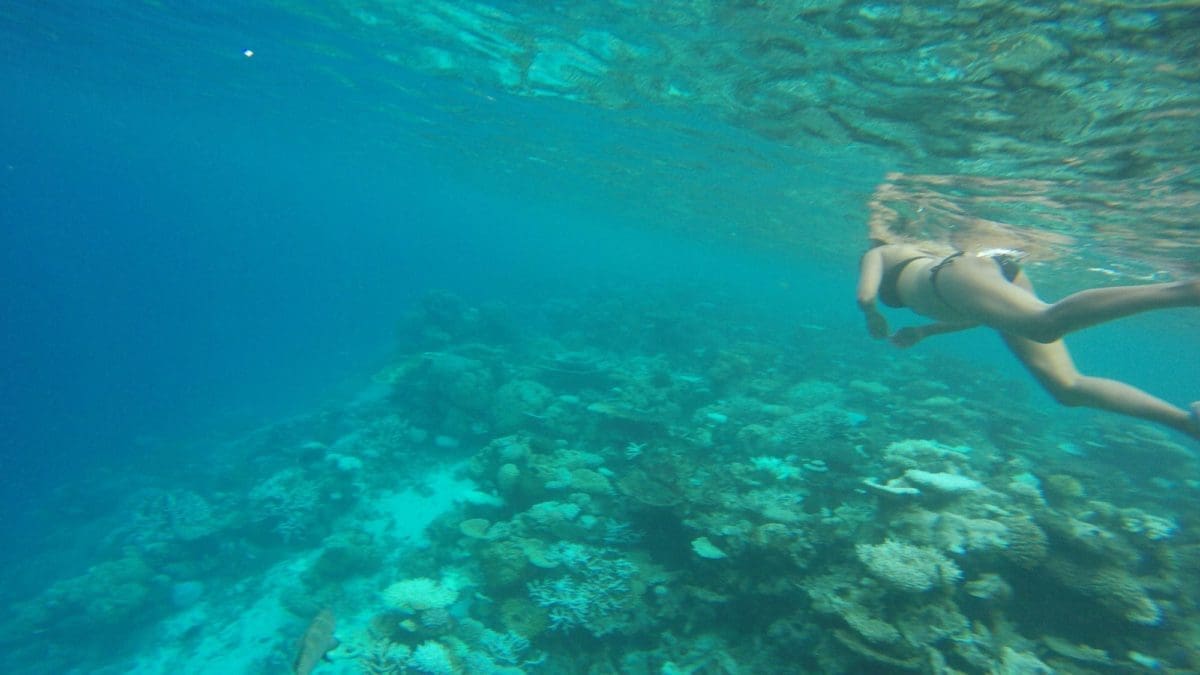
{"x":1027,"y":543}
{"x":1111,"y":587}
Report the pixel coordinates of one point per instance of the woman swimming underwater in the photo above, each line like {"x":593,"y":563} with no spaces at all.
{"x":965,"y":290}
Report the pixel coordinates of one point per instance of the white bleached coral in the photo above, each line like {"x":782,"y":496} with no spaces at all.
{"x":1152,"y":527}
{"x":1021,"y":663}
{"x":942,"y":482}
{"x":779,"y":467}
{"x":432,"y":657}
{"x":916,"y":482}
{"x":706,"y":549}
{"x":951,"y":531}
{"x":907,"y":567}
{"x":419,"y":594}
{"x":892,"y":488}
{"x":912,"y":454}
{"x":546,"y":514}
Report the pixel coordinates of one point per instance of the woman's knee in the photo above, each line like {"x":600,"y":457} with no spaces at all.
{"x":1043,"y":327}
{"x":1066,"y":391}
{"x":1037,"y":332}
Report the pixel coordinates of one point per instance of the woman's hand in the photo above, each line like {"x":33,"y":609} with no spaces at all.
{"x":877,"y":324}
{"x":907,"y":337}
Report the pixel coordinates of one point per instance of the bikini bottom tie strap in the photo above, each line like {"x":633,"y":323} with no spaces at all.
{"x":933,"y":275}
{"x":933,"y":271}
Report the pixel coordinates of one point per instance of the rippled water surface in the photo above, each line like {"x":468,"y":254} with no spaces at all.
{"x":1068,"y":128}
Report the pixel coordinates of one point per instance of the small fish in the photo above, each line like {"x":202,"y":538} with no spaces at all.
{"x":317,"y":641}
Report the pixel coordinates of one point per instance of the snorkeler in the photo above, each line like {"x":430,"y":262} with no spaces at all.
{"x":965,"y":290}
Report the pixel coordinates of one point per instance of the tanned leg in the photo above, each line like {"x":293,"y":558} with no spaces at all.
{"x":1099,"y":305}
{"x":975,"y":287}
{"x":1051,"y":364}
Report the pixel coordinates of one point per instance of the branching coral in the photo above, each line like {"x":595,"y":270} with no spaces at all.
{"x":906,"y":567}
{"x":1027,"y":543}
{"x":288,"y":499}
{"x":594,"y":593}
{"x":434,"y":658}
{"x":1111,"y":587}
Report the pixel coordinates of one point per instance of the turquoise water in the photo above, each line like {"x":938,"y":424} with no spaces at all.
{"x":521,"y":337}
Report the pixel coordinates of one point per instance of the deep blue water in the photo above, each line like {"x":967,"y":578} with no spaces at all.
{"x":175,"y":261}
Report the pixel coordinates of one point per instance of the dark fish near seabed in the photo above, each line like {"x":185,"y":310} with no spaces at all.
{"x":318,"y":639}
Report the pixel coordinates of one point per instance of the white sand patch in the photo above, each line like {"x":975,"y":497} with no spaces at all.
{"x":403,"y":516}
{"x":247,"y":630}
{"x":238,"y":635}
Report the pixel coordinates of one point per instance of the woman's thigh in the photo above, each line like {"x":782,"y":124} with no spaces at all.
{"x":976,"y":288}
{"x":1050,"y":363}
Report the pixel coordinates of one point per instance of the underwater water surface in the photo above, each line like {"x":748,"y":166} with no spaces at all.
{"x":520,"y":337}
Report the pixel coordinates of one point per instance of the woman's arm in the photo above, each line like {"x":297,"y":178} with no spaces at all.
{"x":907,"y":337}
{"x":870,"y":273}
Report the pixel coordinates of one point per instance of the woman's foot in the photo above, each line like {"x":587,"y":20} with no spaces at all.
{"x":1194,"y":422}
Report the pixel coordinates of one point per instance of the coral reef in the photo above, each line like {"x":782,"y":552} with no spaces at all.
{"x":907,"y":567}
{"x":520,"y":507}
